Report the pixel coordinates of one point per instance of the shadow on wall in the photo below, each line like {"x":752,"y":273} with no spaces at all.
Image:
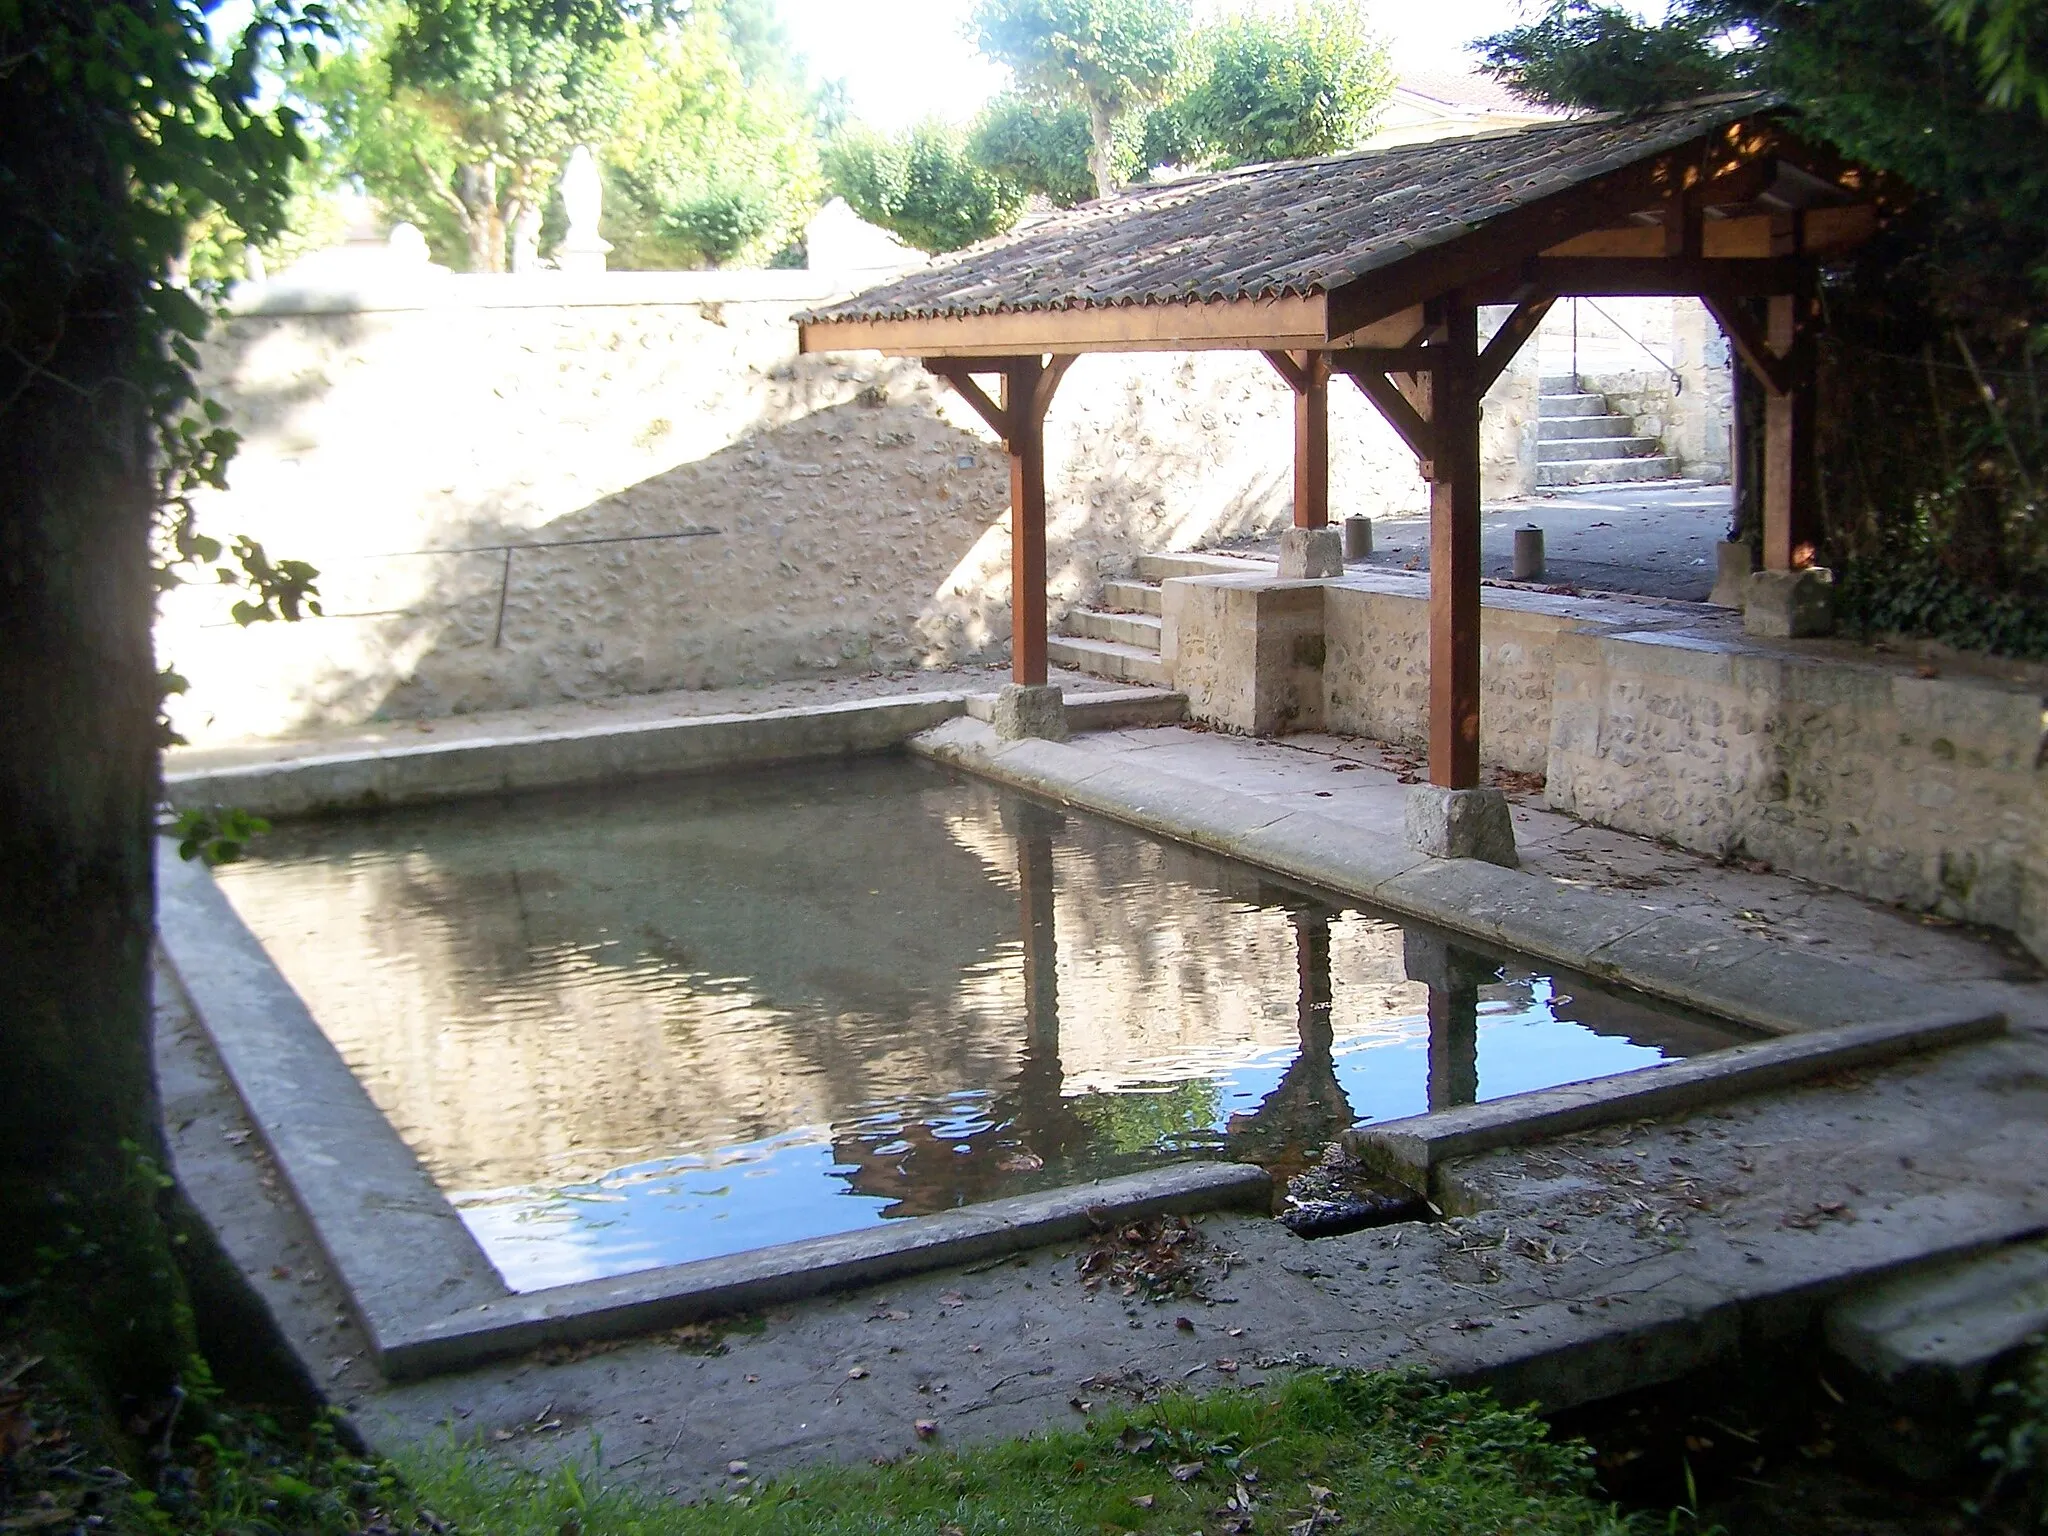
{"x":512,"y":508}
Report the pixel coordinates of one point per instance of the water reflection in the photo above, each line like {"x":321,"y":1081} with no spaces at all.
{"x":670,"y":1020}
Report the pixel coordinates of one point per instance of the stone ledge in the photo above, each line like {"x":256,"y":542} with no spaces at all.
{"x":1413,"y":1149}
{"x":412,"y":775}
{"x":663,"y":1298}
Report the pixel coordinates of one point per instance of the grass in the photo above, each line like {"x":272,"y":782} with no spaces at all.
{"x":1324,"y":1451}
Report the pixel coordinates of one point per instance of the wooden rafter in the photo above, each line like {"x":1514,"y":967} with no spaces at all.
{"x":1514,"y":332}
{"x":1413,"y":427}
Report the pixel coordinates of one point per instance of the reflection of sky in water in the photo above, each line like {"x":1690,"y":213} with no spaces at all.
{"x":792,"y":1186}
{"x":679,"y":1019}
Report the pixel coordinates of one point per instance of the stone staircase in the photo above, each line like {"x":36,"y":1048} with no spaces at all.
{"x":1580,"y":442}
{"x":1119,"y":637}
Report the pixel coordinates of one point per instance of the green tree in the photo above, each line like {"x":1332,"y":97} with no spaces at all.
{"x":2011,"y":41}
{"x":923,"y":185}
{"x":120,"y":128}
{"x":1586,"y":53}
{"x":1281,"y":88}
{"x":1108,"y":57}
{"x":1038,"y":148}
{"x":509,"y":87}
{"x":707,"y":167}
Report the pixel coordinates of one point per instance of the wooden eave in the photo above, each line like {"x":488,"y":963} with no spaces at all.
{"x":1732,"y":214}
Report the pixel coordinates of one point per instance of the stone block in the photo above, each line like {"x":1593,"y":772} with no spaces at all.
{"x":1357,"y":538}
{"x":1733,"y":565}
{"x":1038,"y":711}
{"x":1310,"y":554}
{"x":1461,"y":824}
{"x":1789,"y":605}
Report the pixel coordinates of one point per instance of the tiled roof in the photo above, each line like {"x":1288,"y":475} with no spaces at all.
{"x":1270,"y":231}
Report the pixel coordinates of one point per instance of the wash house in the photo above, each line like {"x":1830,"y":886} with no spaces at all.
{"x":1375,"y":267}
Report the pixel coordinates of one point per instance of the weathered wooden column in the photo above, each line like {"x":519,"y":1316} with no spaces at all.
{"x":1017,"y":416}
{"x":1026,"y":442}
{"x":1312,"y":442}
{"x":1454,"y":553}
{"x":1791,"y":498}
{"x":1309,"y":550}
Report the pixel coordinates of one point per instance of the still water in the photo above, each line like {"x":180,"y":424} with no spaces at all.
{"x":667,"y":1020}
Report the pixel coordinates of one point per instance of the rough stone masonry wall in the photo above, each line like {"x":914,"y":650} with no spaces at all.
{"x":1376,"y":672}
{"x":844,"y":513}
{"x":1856,"y":772}
{"x":1905,"y":788}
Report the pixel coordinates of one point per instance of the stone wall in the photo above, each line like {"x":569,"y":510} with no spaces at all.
{"x":689,"y":503}
{"x":1621,"y":343}
{"x":1910,"y":789}
{"x":1376,"y":675}
{"x":1868,"y":772}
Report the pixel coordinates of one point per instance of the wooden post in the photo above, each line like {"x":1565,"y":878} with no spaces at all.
{"x":1017,"y":416}
{"x":1454,"y":554}
{"x":1791,"y":495}
{"x":1026,"y":439}
{"x":1312,"y":442}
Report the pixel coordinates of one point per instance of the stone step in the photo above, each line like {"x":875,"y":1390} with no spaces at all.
{"x":1953,"y":1321}
{"x":1577,"y":448}
{"x":1605,"y":471}
{"x":1108,"y":658}
{"x":1131,"y":596}
{"x":1557,"y":384}
{"x":1549,"y":406}
{"x":1166,"y":567}
{"x":1139,"y":629}
{"x":1560,"y":428}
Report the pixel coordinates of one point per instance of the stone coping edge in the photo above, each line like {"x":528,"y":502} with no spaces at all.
{"x":389,"y":1233}
{"x":430,"y":771}
{"x":1412,"y":1149}
{"x":1668,"y":956}
{"x":661,"y":1298}
{"x":1104,"y":709}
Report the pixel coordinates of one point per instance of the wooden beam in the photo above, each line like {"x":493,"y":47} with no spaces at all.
{"x":1791,"y":499}
{"x":1828,"y":231}
{"x":1312,"y":442}
{"x":1513,"y":334}
{"x":1284,"y":324}
{"x":1049,"y":382}
{"x":1561,"y":277}
{"x":1021,"y":380}
{"x":1454,"y":511}
{"x":1731,"y":164}
{"x":1413,"y":428}
{"x":1288,"y":369}
{"x":962,"y":380}
{"x":1749,"y":340}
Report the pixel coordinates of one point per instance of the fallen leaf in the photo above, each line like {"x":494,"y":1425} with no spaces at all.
{"x":1143,"y":1500}
{"x":926,"y":1428}
{"x":1187,"y":1470}
{"x":1184,"y":1324}
{"x":952,"y":1299}
{"x":736,"y":1468}
{"x":858,"y":1372}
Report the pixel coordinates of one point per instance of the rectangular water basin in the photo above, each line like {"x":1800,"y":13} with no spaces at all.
{"x":648,"y":1023}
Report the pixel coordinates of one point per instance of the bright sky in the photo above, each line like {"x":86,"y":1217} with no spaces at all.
{"x":904,"y":60}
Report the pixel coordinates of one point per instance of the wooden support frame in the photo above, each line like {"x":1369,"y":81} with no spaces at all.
{"x":1780,"y":354}
{"x":1017,"y":416}
{"x":1307,"y":374}
{"x":1454,"y":513}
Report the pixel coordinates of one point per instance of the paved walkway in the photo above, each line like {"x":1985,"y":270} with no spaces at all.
{"x":1591,"y":1261}
{"x":1651,"y":540}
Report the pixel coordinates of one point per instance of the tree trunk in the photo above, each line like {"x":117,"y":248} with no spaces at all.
{"x":80,"y":1138}
{"x":1102,"y":149}
{"x":477,"y":186}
